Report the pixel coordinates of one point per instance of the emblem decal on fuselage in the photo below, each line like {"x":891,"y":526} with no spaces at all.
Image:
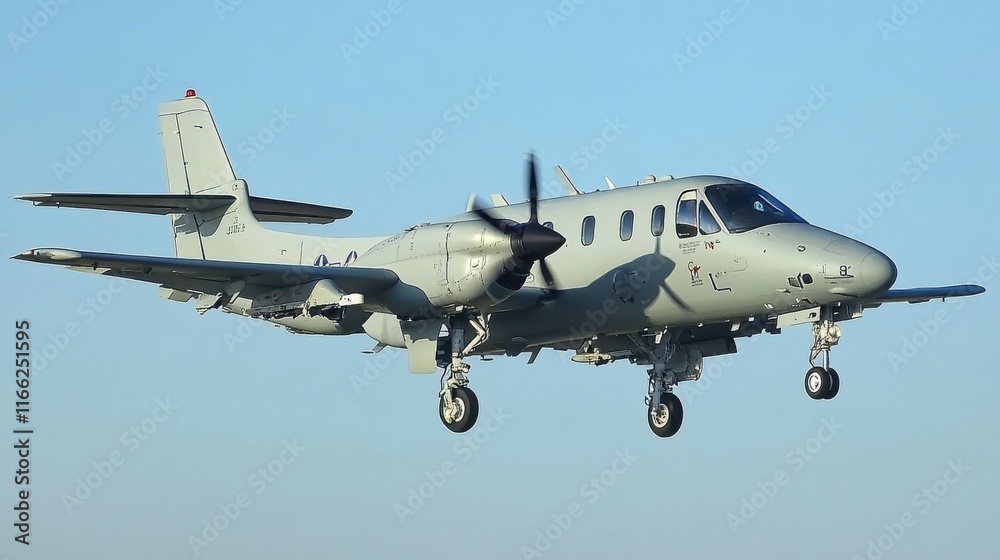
{"x":695,"y":278}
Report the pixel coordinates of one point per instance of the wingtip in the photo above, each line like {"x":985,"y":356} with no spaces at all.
{"x":31,"y":196}
{"x":47,"y":254}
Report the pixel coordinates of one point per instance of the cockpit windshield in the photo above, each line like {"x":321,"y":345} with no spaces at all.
{"x":746,"y":207}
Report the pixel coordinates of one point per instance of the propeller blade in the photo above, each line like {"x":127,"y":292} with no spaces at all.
{"x":487,"y":217}
{"x":532,"y":189}
{"x":550,"y":281}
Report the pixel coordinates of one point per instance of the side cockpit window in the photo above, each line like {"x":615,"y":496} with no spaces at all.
{"x":658,"y":221}
{"x":687,"y":216}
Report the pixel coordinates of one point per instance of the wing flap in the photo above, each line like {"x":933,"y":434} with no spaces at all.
{"x":167,"y":270}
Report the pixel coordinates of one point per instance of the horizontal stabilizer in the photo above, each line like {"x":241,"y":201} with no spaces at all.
{"x":921,"y":295}
{"x":274,"y":210}
{"x":139,"y":203}
{"x":264,"y":209}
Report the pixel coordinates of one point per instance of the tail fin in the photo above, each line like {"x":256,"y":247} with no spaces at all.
{"x":192,"y":148}
{"x":196,"y":163}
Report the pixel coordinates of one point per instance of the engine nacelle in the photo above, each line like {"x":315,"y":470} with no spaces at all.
{"x":446,"y":265}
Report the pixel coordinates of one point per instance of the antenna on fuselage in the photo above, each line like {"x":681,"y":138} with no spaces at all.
{"x":566,"y":181}
{"x":611,"y":184}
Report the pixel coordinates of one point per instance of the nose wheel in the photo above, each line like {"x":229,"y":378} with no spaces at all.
{"x":822,"y":383}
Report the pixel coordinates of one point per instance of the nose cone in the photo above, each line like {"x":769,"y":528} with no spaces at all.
{"x":536,"y":241}
{"x":878,"y":272}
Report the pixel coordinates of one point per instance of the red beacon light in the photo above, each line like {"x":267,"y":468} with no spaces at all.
{"x":190,"y":93}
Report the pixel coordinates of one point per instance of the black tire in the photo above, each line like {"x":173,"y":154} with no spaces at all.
{"x":675,"y":416}
{"x":817,"y":383}
{"x":469,"y":413}
{"x":834,"y":384}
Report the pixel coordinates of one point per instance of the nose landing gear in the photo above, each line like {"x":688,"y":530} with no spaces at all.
{"x":823,"y":382}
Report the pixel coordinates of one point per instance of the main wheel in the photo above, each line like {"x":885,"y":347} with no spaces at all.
{"x":834,"y":384}
{"x":665,"y":417}
{"x":465,"y":412}
{"x":818,"y":382}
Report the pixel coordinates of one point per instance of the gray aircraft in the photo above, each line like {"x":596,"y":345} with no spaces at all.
{"x":663,"y":274}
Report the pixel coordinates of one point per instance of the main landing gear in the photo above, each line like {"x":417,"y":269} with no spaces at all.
{"x":458,"y":405}
{"x":823,"y":382}
{"x":665,"y":412}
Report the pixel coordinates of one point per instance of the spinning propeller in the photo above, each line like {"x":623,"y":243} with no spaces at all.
{"x":530,"y":241}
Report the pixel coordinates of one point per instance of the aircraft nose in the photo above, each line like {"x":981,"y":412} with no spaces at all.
{"x":878,"y":272}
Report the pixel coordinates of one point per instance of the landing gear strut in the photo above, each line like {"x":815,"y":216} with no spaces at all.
{"x":823,"y":382}
{"x":458,"y":405}
{"x":665,"y":413}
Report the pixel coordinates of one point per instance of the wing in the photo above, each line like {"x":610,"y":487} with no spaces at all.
{"x":207,"y":276}
{"x":921,"y":295}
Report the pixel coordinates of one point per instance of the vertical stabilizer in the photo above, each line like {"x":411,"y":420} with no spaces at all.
{"x":196,"y":163}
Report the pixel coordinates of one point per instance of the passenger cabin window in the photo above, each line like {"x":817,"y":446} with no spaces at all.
{"x":706,"y":222}
{"x":587,"y":235}
{"x":687,"y":214}
{"x":625,"y":230}
{"x":657,"y":220}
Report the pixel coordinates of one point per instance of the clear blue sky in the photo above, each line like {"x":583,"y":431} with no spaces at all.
{"x":889,"y":93}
